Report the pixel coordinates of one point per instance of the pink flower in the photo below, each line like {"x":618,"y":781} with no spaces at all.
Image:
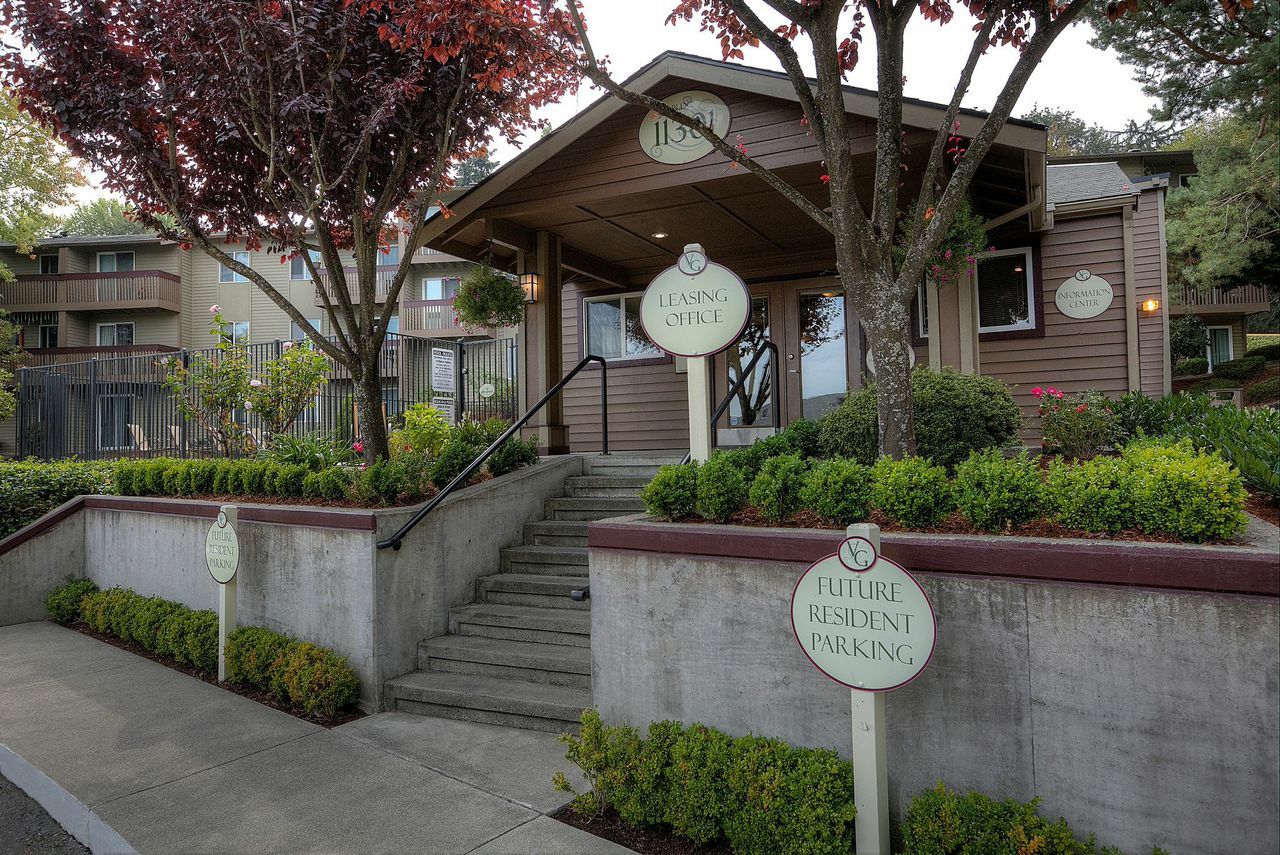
{"x":1053,"y":391}
{"x":255,"y":383}
{"x":357,"y":447}
{"x":248,"y":405}
{"x":214,"y":309}
{"x":1056,"y":394}
{"x":1037,"y":391}
{"x":1082,"y":408}
{"x":288,"y":345}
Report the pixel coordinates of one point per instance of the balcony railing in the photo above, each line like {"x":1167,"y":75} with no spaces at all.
{"x":136,"y":289}
{"x":434,"y":318}
{"x":1242,"y":300}
{"x":385,"y":273}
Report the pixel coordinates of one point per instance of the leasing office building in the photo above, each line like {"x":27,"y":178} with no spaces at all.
{"x":592,"y":212}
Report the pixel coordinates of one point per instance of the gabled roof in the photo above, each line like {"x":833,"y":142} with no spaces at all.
{"x":1079,"y":182}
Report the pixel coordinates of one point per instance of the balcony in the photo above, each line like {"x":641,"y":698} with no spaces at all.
{"x":385,"y":273}
{"x":1244,"y":300}
{"x":88,"y":292}
{"x":435,"y":319}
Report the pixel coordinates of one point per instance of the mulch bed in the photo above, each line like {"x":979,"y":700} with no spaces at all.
{"x":1263,"y":508}
{"x":254,"y":694}
{"x":657,"y":840}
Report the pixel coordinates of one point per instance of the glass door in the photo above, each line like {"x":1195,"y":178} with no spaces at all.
{"x":1219,"y":350}
{"x":824,"y":363}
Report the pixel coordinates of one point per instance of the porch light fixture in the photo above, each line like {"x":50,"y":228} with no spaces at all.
{"x":1149,"y":305}
{"x":530,"y":284}
{"x":658,"y":235}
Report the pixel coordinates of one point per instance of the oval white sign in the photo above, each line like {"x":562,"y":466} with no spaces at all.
{"x":222,"y":550}
{"x":486,"y":390}
{"x":1084,"y":296}
{"x":671,"y":142}
{"x":695,"y":313}
{"x":862,"y":619}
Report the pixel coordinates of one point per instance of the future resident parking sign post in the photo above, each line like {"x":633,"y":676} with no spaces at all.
{"x":222,"y":557}
{"x":696,"y":309}
{"x":866,"y":623}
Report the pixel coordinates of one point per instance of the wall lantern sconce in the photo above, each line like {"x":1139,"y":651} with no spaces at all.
{"x":530,"y":283}
{"x":1149,"y":305}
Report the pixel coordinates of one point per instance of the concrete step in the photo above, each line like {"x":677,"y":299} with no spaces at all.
{"x":531,"y":589}
{"x":556,"y":533}
{"x":556,"y":664}
{"x":632,"y":463}
{"x":523,"y":623}
{"x":592,"y":509}
{"x":604,"y":486}
{"x":545,"y":560}
{"x":492,"y":700}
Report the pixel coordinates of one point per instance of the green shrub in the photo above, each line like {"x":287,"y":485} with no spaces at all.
{"x":318,"y":681}
{"x":1094,"y":495}
{"x":329,"y":484}
{"x":1241,"y":369}
{"x":379,"y":483}
{"x":156,"y":625}
{"x":223,"y":474}
{"x":253,"y":653}
{"x":1266,"y":351}
{"x":673,"y":492}
{"x":940,"y":822}
{"x":1191,"y":367}
{"x":1250,"y":439}
{"x":701,"y":758}
{"x":63,"y":602}
{"x":838,"y":489}
{"x":288,"y":481}
{"x":142,"y":619}
{"x":425,"y":431}
{"x":1188,"y":338}
{"x":1263,"y":392}
{"x":30,"y":489}
{"x":996,"y":493}
{"x":912,"y":492}
{"x":458,"y":452}
{"x":776,"y":491}
{"x":411,"y":473}
{"x":314,"y":451}
{"x":1078,"y":425}
{"x":954,"y":415}
{"x":721,"y":487}
{"x":512,"y":455}
{"x":1136,"y":415}
{"x":202,"y":475}
{"x":1194,"y":497}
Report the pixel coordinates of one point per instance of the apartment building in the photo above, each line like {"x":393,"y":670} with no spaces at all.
{"x":77,"y":299}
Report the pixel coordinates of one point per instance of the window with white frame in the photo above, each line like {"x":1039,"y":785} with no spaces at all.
{"x":115,"y":335}
{"x":1006,"y":291}
{"x":115,"y":262}
{"x":611,"y":328}
{"x":298,"y":265}
{"x":296,"y":332}
{"x":237,"y":331}
{"x":440,"y":289}
{"x":226,"y":274}
{"x":115,"y":418}
{"x":48,"y":265}
{"x":1220,"y":348}
{"x":922,"y":310}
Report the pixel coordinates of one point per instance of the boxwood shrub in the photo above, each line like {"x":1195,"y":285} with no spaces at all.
{"x":29,"y":489}
{"x":673,"y":492}
{"x":912,"y":492}
{"x":761,"y":795}
{"x":775,"y":492}
{"x":722,"y":488}
{"x":838,"y":489}
{"x":1194,"y":497}
{"x":1242,"y":368}
{"x":1191,"y":367}
{"x":996,"y":493}
{"x":1093,"y":495}
{"x":63,"y":602}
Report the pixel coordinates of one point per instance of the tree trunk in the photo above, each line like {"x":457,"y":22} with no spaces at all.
{"x":372,"y":427}
{"x":887,"y":324}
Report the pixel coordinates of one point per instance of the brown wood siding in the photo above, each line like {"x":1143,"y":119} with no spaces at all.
{"x":648,"y":404}
{"x":1148,"y":285}
{"x":1073,"y":355}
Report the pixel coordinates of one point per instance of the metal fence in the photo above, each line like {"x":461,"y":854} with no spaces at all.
{"x":121,"y":406}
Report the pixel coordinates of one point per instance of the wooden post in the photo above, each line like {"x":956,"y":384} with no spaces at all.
{"x":870,"y":765}
{"x":700,"y":427}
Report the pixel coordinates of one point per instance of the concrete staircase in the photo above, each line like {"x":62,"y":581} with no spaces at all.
{"x":520,"y":655}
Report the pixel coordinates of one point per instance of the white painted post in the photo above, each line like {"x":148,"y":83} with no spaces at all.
{"x":226,"y":604}
{"x":698,"y":375}
{"x":870,"y":767}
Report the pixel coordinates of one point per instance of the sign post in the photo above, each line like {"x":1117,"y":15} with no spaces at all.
{"x":222,"y":555}
{"x":696,"y":309}
{"x":866,"y":623}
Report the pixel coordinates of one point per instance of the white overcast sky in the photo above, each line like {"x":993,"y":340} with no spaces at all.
{"x":1074,"y":76}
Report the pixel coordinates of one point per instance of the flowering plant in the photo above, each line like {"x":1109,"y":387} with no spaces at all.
{"x":957,"y":255}
{"x":1078,"y":425}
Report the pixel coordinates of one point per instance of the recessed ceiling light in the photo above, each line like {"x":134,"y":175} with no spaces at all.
{"x":658,"y":235}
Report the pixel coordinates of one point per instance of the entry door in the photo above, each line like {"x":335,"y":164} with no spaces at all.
{"x":751,"y":410}
{"x":816,"y":352}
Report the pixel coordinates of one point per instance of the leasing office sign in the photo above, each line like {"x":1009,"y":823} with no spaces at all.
{"x":695,"y":308}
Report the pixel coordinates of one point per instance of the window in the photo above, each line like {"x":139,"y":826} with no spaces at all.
{"x":237,"y":331}
{"x":226,"y":274}
{"x":48,"y":335}
{"x":115,"y":417}
{"x":298,"y":266}
{"x":48,"y":265}
{"x":389,"y":256}
{"x":115,"y":262}
{"x":393,"y":324}
{"x":1219,"y":349}
{"x":115,"y":335}
{"x":922,"y":310}
{"x":295,"y":331}
{"x":612,"y":328}
{"x":440,"y":289}
{"x":1006,"y":301}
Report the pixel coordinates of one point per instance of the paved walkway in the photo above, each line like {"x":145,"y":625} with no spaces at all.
{"x":173,"y":764}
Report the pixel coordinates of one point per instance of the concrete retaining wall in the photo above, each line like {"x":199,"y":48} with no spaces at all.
{"x":1148,"y":717}
{"x":316,"y":574}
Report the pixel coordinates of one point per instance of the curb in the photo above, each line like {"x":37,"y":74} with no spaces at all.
{"x":68,"y":811}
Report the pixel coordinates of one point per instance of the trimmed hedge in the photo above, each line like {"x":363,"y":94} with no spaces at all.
{"x":672,"y":492}
{"x":776,"y":490}
{"x":1242,"y":368}
{"x":1191,"y":367}
{"x":761,"y":795}
{"x":839,"y":490}
{"x":912,"y":491}
{"x":317,"y":681}
{"x":29,"y":489}
{"x":996,"y":493}
{"x":1263,"y":392}
{"x":722,"y":488}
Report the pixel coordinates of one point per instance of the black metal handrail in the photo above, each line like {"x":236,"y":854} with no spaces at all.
{"x":766,"y":347}
{"x":394,"y":541}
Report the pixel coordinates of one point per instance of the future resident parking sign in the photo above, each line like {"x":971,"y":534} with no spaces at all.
{"x":862,"y":619}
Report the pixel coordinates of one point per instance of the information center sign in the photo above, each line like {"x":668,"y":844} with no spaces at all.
{"x":863,"y":620}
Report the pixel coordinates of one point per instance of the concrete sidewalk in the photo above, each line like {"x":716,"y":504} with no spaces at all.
{"x":175,"y":765}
